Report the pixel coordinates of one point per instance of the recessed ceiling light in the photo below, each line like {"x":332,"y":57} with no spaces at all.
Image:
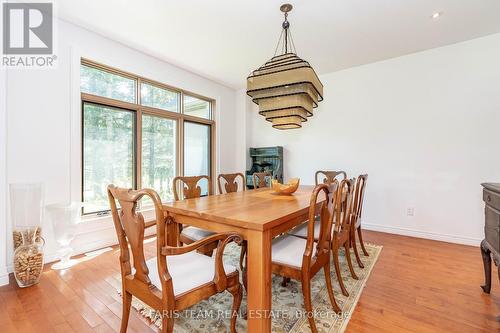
{"x":436,"y":15}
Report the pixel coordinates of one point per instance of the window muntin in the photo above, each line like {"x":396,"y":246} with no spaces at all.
{"x":159,"y":98}
{"x":108,"y":153}
{"x":99,"y":82}
{"x":196,"y":107}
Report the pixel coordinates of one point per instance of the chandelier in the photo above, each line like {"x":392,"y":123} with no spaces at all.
{"x":285,"y":88}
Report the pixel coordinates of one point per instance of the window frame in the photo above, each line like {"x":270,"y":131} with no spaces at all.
{"x":138,"y":110}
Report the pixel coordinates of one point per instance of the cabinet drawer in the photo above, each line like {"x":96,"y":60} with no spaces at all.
{"x":492,"y":227}
{"x":491,"y":199}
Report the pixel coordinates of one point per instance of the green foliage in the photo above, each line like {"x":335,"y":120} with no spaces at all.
{"x":159,"y":98}
{"x":102,"y":83}
{"x":158,"y":154}
{"x":108,"y":152}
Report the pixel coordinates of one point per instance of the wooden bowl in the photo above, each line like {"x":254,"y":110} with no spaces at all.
{"x":289,"y":188}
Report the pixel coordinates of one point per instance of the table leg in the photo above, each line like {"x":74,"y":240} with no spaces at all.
{"x":485,"y":253}
{"x":259,"y":281}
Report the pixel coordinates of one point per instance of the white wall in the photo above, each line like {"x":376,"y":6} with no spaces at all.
{"x":425,"y":127}
{"x":43,"y":125}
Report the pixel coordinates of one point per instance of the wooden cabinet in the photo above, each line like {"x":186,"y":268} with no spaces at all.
{"x":266,"y":159}
{"x":490,"y":246}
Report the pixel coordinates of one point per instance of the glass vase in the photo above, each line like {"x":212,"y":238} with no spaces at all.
{"x":64,"y":219}
{"x":26,"y":202}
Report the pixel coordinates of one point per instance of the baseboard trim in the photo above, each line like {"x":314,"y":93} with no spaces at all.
{"x":99,"y":243}
{"x":4,"y":279}
{"x":423,"y":234}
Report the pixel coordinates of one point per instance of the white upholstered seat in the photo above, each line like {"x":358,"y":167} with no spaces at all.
{"x":301,"y":230}
{"x":195,"y":233}
{"x":289,"y":250}
{"x":188,"y":271}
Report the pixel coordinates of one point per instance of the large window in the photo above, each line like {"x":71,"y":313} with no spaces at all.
{"x":134,"y":133}
{"x":197,"y":152}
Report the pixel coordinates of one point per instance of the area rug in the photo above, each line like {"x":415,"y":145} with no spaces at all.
{"x":288,"y":314}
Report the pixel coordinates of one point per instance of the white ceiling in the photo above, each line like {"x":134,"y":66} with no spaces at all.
{"x":225,"y":39}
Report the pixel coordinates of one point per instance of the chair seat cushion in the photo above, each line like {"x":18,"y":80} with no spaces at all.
{"x":301,"y":230}
{"x":188,"y":271}
{"x":195,"y":233}
{"x":289,"y":250}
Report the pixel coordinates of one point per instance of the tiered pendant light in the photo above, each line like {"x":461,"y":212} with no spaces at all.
{"x":285,"y":88}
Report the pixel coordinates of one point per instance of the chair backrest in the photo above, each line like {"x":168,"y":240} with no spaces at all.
{"x":326,"y":193}
{"x":259,"y":179}
{"x":129,"y":225}
{"x":359,"y":194}
{"x":230,"y":182}
{"x":190,"y":187}
{"x":344,"y":205}
{"x":329,"y":176}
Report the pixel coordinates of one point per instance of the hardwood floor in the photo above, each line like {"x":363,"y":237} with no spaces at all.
{"x":416,"y":286}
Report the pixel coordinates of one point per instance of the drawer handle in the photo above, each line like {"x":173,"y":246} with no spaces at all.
{"x":488,"y":198}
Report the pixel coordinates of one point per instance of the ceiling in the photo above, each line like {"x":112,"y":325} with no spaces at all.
{"x":224,"y":40}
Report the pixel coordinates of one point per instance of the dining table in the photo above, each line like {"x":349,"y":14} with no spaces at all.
{"x":258,"y":215}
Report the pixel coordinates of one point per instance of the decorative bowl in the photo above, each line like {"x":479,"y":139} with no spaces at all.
{"x":289,"y":188}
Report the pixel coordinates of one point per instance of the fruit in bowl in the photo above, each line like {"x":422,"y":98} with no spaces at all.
{"x":289,"y":188}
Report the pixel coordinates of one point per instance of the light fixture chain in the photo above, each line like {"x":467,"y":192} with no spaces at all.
{"x":292,"y":43}
{"x":278,"y":45}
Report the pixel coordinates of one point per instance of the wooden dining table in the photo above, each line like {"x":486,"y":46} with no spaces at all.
{"x":258,"y":216}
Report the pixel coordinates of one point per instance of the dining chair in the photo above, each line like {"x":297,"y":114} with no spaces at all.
{"x":178,"y":277}
{"x":228,"y":183}
{"x":300,"y":259}
{"x":359,"y":194}
{"x":191,"y":189}
{"x":259,"y":179}
{"x":342,"y":229}
{"x":328,"y":177}
{"x":231,"y":185}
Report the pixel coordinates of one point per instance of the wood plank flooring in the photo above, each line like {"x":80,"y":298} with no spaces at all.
{"x":416,"y":286}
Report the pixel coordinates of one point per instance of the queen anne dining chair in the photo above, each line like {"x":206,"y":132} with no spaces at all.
{"x":178,"y":277}
{"x":259,"y":179}
{"x":320,"y":177}
{"x":228,"y":183}
{"x":342,"y":230}
{"x":191,"y":189}
{"x":359,"y":194}
{"x":329,"y":176}
{"x":300,"y":259}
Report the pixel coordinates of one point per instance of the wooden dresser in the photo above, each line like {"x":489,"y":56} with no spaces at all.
{"x":490,"y":246}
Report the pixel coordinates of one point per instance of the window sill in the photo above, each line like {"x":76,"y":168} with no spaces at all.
{"x":95,"y":223}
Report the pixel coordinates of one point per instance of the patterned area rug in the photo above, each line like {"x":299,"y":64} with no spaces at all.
{"x":288,"y":315}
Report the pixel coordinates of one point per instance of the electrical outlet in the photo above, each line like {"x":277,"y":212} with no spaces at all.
{"x":410,"y":211}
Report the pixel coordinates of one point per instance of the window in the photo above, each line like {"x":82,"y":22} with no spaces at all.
{"x":197,"y":152}
{"x":132,"y":137}
{"x":158,"y":154}
{"x":106,"y":84}
{"x":108,"y":152}
{"x":160,"y":98}
{"x":196,"y":107}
